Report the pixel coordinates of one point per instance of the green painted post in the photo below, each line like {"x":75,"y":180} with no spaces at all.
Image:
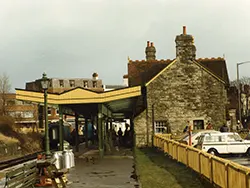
{"x":86,"y":135}
{"x":61,"y":128}
{"x":47,"y":148}
{"x":76,"y":133}
{"x":100,"y":127}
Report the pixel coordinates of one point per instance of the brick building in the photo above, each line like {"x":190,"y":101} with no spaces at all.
{"x":179,"y":90}
{"x":24,"y":113}
{"x":60,"y":85}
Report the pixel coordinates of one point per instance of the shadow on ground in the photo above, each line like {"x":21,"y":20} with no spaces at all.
{"x":155,"y":169}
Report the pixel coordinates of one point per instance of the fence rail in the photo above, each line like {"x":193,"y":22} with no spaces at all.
{"x":222,"y":172}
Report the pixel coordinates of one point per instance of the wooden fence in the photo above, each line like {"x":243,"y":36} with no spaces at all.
{"x":222,"y":172}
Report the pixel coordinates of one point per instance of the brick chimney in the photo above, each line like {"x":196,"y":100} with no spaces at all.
{"x":150,"y":51}
{"x":95,"y":76}
{"x":185,"y":48}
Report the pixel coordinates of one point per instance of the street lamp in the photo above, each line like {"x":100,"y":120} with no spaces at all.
{"x":239,"y":89}
{"x":45,"y":85}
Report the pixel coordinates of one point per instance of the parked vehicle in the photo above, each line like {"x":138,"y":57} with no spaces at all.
{"x":195,"y":136}
{"x":223,"y":143}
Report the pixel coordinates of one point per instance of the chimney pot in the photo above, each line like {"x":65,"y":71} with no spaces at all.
{"x":184,"y":30}
{"x":152,"y":44}
{"x":148,"y":43}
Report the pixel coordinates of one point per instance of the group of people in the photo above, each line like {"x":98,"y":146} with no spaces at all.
{"x":209,"y":126}
{"x":122,"y":139}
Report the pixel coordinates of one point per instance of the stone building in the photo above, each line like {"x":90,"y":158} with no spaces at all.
{"x":179,"y":90}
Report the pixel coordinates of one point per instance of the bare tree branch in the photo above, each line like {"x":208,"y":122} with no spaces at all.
{"x":4,"y":90}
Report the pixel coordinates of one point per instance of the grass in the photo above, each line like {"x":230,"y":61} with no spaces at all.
{"x":7,"y":140}
{"x":155,"y":170}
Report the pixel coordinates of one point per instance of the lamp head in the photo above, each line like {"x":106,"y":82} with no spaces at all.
{"x":44,"y":82}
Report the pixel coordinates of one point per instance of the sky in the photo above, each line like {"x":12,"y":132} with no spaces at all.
{"x":74,"y":38}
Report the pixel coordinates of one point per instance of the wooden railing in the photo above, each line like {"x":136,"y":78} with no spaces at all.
{"x":222,"y":172}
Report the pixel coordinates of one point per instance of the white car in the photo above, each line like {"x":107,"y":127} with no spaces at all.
{"x":195,"y":136}
{"x":223,"y":143}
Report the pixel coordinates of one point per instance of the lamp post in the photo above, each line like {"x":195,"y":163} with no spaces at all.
{"x":45,"y":85}
{"x":239,"y":89}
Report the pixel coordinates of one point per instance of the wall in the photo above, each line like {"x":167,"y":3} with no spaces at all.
{"x":183,"y":92}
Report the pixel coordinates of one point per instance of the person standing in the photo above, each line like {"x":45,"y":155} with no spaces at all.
{"x":209,"y":126}
{"x":224,"y":128}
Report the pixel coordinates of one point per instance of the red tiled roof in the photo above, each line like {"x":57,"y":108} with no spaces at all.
{"x":140,"y":72}
{"x":216,"y":66}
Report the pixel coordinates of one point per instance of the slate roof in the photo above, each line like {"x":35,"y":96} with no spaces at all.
{"x":141,"y":72}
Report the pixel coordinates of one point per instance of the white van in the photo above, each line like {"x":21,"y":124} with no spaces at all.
{"x":223,"y":143}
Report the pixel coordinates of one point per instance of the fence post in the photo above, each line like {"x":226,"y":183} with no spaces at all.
{"x":199,"y":161}
{"x":247,"y":182}
{"x":187,"y":156}
{"x":226,"y":175}
{"x":211,"y":169}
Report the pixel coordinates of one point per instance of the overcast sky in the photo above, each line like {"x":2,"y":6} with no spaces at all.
{"x":74,"y":38}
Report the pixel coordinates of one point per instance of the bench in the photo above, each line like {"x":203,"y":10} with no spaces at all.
{"x":24,"y":176}
{"x":48,"y":170}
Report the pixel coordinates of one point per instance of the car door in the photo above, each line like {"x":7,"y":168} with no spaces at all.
{"x":235,"y":145}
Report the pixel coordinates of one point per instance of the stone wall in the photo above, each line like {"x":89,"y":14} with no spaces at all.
{"x":184,"y":91}
{"x":140,"y":129}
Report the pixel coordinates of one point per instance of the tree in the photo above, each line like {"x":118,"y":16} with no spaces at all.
{"x":4,"y":90}
{"x":243,"y":81}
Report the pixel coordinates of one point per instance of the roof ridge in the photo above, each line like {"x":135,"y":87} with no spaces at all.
{"x":154,"y":60}
{"x":210,"y":59}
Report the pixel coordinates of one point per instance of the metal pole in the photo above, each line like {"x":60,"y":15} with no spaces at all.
{"x":47,"y":148}
{"x":239,"y":89}
{"x":239,"y":95}
{"x":61,"y":127}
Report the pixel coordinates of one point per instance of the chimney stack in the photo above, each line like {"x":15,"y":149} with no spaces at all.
{"x":185,"y":48}
{"x":184,"y":30}
{"x":150,"y":51}
{"x":95,"y":76}
{"x":148,"y":43}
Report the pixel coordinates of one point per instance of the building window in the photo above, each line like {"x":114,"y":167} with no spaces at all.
{"x":72,"y":83}
{"x":28,"y":114}
{"x":50,"y":83}
{"x":49,"y":111}
{"x":94,"y":84}
{"x":162,"y":127}
{"x":57,"y":112}
{"x":198,"y":124}
{"x":61,"y":83}
{"x":85,"y":84}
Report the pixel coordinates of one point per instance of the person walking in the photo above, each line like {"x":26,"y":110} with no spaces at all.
{"x":224,"y":128}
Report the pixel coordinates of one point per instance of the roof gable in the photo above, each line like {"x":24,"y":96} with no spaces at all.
{"x":142,"y":72}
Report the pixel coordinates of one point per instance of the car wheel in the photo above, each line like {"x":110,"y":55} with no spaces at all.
{"x":213,"y":151}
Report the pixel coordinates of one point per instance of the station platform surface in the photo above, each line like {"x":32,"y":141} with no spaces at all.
{"x":113,"y":171}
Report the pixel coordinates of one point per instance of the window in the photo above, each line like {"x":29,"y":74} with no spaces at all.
{"x":85,"y":84}
{"x":50,"y":83}
{"x":57,"y":112}
{"x":28,"y":114}
{"x":162,"y":127}
{"x":198,"y":124}
{"x":94,"y":84}
{"x":72,"y":83}
{"x":61,"y":83}
{"x":49,"y":111}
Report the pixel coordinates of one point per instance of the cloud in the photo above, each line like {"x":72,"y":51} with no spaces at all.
{"x":76,"y":38}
